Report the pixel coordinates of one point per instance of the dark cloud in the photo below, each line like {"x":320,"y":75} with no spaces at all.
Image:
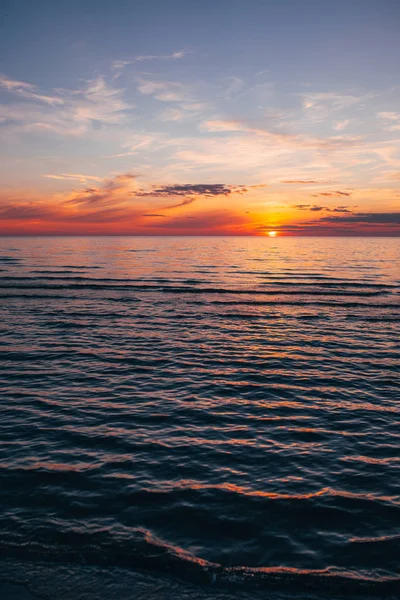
{"x":316,"y":208}
{"x":335,"y":193}
{"x":152,"y":215}
{"x":26,"y":211}
{"x":341,"y":209}
{"x":374,"y":218}
{"x":183,"y":203}
{"x":197,"y":189}
{"x":309,"y":207}
{"x":300,"y":181}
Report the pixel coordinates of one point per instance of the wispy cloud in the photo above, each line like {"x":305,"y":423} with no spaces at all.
{"x":182,"y":97}
{"x":119,"y":65}
{"x":184,"y":202}
{"x":304,"y":141}
{"x":113,"y":192}
{"x":391,"y":116}
{"x":392,"y":120}
{"x":71,"y":113}
{"x":332,"y":101}
{"x":165,"y":91}
{"x":341,"y":125}
{"x":334,"y":193}
{"x":100,"y":102}
{"x":119,"y":199}
{"x":305,"y":182}
{"x":27,"y":90}
{"x":74,"y":177}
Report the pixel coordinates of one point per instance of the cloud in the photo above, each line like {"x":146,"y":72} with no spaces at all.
{"x":152,"y":215}
{"x":305,"y":182}
{"x":316,"y":208}
{"x":183,"y":203}
{"x":27,"y":90}
{"x":235,"y":86}
{"x":186,"y":110}
{"x":74,"y":177}
{"x":240,"y":147}
{"x":311,"y":207}
{"x":173,"y":114}
{"x":119,"y":65}
{"x":114,"y":191}
{"x":100,"y":102}
{"x":331,"y":101}
{"x":139,"y":142}
{"x":391,"y":116}
{"x":109,"y":203}
{"x":340,"y":125}
{"x":392,"y":176}
{"x":291,"y":140}
{"x":118,"y":205}
{"x":335,"y":193}
{"x":23,"y":210}
{"x":191,"y":192}
{"x":183,"y":98}
{"x":165,"y":91}
{"x":198,"y":189}
{"x":374,"y":218}
{"x":76,"y":112}
{"x":214,"y":222}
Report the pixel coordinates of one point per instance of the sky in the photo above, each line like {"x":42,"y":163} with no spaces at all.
{"x":191,"y":117}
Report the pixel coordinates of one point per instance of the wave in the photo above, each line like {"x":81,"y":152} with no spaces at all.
{"x":184,"y":289}
{"x":295,"y":303}
{"x":53,"y":275}
{"x":145,"y":551}
{"x":10,"y":260}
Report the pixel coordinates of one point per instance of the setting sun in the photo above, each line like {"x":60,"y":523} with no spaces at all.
{"x":272,"y":233}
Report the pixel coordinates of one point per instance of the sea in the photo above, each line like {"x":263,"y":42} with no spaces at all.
{"x":199,"y":417}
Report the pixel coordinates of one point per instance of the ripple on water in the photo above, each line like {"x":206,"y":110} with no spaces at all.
{"x":241,"y":429}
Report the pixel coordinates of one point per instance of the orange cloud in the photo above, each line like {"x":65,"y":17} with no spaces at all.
{"x":118,"y":205}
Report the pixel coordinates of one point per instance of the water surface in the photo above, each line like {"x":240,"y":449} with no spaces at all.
{"x":224,"y":411}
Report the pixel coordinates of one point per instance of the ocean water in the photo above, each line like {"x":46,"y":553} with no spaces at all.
{"x":218,"y":415}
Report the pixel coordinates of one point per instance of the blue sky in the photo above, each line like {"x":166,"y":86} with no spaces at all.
{"x":252,"y":94}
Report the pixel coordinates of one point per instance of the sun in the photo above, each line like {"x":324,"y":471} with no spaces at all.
{"x":272,"y":233}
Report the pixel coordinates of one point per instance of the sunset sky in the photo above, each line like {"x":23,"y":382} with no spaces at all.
{"x":198,"y":117}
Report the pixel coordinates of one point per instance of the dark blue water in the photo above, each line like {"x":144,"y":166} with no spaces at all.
{"x":220,"y":411}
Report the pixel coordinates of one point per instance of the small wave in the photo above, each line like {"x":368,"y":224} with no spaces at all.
{"x":64,"y":325}
{"x":383,"y":318}
{"x":39,"y":297}
{"x":294,"y":303}
{"x":52,"y":272}
{"x":9,"y":260}
{"x":145,"y":551}
{"x":102,"y":284}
